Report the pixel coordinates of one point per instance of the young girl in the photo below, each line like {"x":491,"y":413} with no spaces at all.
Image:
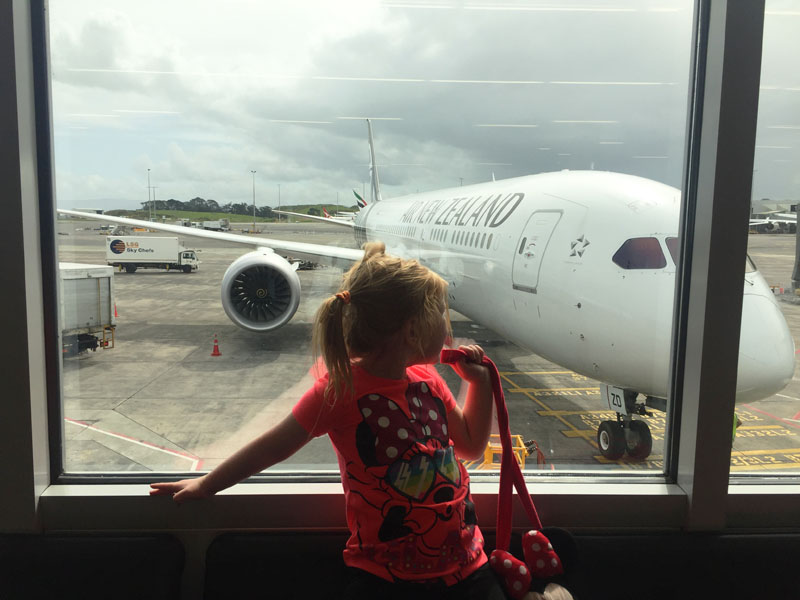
{"x":397,"y":431}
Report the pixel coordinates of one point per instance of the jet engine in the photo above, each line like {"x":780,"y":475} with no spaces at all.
{"x":260,"y":291}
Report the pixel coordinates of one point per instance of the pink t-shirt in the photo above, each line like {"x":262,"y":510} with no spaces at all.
{"x":407,"y":495}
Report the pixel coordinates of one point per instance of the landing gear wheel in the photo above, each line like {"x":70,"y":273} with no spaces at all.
{"x":611,"y":440}
{"x":639,"y":441}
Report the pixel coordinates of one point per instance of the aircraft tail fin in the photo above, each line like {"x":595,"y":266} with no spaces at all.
{"x":325,"y":212}
{"x":373,"y":167}
{"x":361,"y":202}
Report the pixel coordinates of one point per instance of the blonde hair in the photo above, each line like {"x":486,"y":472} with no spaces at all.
{"x":552,"y":591}
{"x":378,"y":295}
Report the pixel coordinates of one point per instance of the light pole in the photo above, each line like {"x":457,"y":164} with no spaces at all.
{"x":279,"y":202}
{"x":149,"y":214}
{"x":254,"y":200}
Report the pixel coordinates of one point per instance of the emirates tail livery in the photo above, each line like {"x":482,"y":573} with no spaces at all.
{"x":576,"y":266}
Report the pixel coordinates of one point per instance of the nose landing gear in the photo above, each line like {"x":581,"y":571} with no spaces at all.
{"x":615,"y":438}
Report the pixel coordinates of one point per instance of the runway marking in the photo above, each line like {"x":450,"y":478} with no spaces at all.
{"x":507,"y":377}
{"x":745,"y":460}
{"x":195,"y":460}
{"x":786,"y":422}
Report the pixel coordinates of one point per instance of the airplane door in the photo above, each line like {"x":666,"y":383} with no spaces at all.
{"x":531,"y":247}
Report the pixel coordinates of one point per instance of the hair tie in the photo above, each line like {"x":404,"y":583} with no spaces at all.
{"x":344,"y":296}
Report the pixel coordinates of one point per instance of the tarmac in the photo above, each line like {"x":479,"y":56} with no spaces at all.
{"x":159,"y":401}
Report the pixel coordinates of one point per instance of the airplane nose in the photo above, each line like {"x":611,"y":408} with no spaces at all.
{"x":766,"y":349}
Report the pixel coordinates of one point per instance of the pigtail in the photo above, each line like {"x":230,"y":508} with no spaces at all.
{"x":329,"y":343}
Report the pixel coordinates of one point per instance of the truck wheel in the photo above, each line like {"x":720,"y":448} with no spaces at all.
{"x":187,"y":268}
{"x":130,"y":268}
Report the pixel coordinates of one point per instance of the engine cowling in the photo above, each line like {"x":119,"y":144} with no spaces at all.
{"x":260,"y":291}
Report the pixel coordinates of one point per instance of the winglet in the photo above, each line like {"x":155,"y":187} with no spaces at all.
{"x":373,"y":167}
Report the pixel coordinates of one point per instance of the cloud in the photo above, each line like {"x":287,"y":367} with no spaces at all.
{"x":202,"y":95}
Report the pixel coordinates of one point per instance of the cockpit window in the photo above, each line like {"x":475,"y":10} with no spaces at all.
{"x":672,"y":246}
{"x":640,"y":253}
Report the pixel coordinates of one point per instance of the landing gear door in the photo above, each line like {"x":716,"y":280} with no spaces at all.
{"x":531,"y":247}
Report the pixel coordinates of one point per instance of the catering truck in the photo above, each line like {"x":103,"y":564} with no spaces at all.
{"x":86,"y":308}
{"x":134,"y":252}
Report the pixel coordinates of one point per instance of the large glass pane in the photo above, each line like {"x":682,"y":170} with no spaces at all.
{"x":534,"y":141}
{"x":767,"y":440}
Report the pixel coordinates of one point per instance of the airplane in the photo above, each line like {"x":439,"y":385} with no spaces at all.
{"x":575,"y":266}
{"x":339,"y":215}
{"x":775,"y":221}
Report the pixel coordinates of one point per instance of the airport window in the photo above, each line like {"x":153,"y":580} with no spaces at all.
{"x":190,"y":383}
{"x":767,"y":430}
{"x":186,"y":382}
{"x":640,"y":253}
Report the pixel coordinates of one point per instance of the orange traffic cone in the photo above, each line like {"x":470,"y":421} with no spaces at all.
{"x":216,"y":351}
{"x":115,"y":310}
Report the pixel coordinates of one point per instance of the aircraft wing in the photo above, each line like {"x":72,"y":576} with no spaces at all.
{"x":333,"y":256}
{"x":332,"y":220}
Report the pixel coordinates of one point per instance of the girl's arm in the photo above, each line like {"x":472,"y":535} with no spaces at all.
{"x":470,"y":427}
{"x":277,"y":444}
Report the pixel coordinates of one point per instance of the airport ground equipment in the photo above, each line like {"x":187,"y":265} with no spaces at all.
{"x":218,"y":225}
{"x":86,"y":310}
{"x":494,"y":452}
{"x":134,"y":252}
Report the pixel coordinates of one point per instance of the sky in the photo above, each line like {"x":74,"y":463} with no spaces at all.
{"x":190,"y":97}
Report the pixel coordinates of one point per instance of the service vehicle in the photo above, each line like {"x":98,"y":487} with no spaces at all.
{"x":133,"y":252}
{"x":87,"y":309}
{"x":218,"y":225}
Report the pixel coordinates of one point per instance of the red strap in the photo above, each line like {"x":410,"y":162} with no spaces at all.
{"x":510,"y":472}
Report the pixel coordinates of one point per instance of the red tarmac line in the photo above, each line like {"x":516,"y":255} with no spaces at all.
{"x":781,"y":419}
{"x":196,"y":460}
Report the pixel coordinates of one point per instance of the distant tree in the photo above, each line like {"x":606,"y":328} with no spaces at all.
{"x":314,"y":211}
{"x":241,"y":208}
{"x":265,"y":212}
{"x":173,"y":204}
{"x":197,"y":204}
{"x":212,"y":206}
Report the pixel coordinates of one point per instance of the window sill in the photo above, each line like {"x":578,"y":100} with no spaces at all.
{"x":320,"y":506}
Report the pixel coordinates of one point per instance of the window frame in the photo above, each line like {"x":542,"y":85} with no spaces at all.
{"x":696,"y":493}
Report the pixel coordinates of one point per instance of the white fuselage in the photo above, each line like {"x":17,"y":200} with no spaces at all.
{"x":531,"y":258}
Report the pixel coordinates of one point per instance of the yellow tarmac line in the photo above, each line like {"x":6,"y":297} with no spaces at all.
{"x":757,"y":427}
{"x":591,"y":433}
{"x":546,"y":408}
{"x":762,"y":452}
{"x":768,"y":467}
